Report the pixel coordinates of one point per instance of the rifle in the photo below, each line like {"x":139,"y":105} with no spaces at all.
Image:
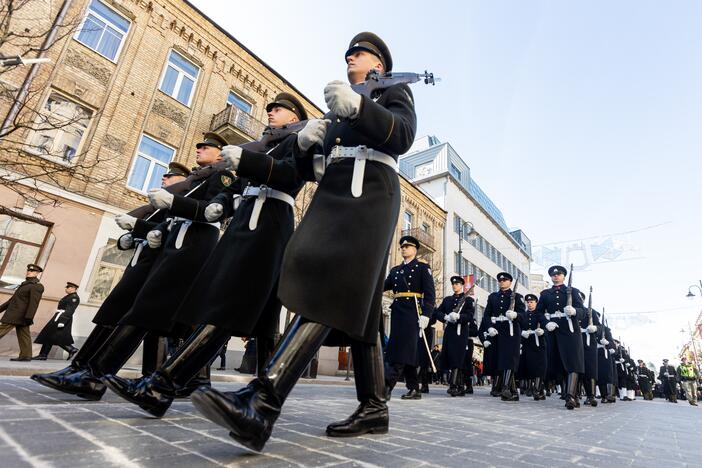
{"x":459,"y":306}
{"x":589,"y":317}
{"x":569,"y":297}
{"x":512,"y":303}
{"x":376,"y":82}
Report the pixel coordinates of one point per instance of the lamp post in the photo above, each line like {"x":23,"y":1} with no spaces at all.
{"x":690,"y":295}
{"x":472,"y":234}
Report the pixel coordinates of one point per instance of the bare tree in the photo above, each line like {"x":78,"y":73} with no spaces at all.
{"x":41,"y":137}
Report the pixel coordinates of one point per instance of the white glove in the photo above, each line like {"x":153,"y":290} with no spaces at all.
{"x":666,"y":374}
{"x":160,"y":198}
{"x":604,"y":342}
{"x":447,"y":318}
{"x":423,"y":321}
{"x":60,"y":325}
{"x":492,"y":331}
{"x":342,"y":100}
{"x":510,"y":314}
{"x":154,"y":239}
{"x":232,"y":155}
{"x":126,"y":241}
{"x":525,"y":334}
{"x":550,"y":326}
{"x":312,"y":134}
{"x":611,"y":351}
{"x":213,"y":211}
{"x":125,"y":221}
{"x":570,"y":311}
{"x":539,"y":331}
{"x":486,"y":344}
{"x":592,"y":328}
{"x":454,"y":316}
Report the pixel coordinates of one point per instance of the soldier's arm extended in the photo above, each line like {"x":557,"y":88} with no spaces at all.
{"x":279,"y":174}
{"x":440,"y":311}
{"x":467,"y":311}
{"x":428,"y":290}
{"x":194,"y":207}
{"x":391,"y":126}
{"x":388,"y":285}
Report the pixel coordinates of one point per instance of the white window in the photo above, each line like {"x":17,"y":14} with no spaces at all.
{"x":103,"y":30}
{"x":455,"y":171}
{"x":22,"y":240}
{"x":407,"y":221}
{"x":108,"y":271}
{"x":237,"y":101}
{"x":150,"y":164}
{"x":179,"y":78}
{"x":60,"y":129}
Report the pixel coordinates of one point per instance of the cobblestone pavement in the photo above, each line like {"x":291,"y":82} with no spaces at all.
{"x":42,"y":427}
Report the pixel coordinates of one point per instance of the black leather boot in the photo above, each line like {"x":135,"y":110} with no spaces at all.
{"x":469,"y":383}
{"x":93,"y":342}
{"x":371,"y":416}
{"x":250,"y":415}
{"x":539,"y":389}
{"x":453,"y":383}
{"x":571,"y":389}
{"x":412,"y":394}
{"x":611,"y":393}
{"x":590,"y":390}
{"x":461,"y":384}
{"x":155,"y":393}
{"x":496,"y":385}
{"x":507,"y":393}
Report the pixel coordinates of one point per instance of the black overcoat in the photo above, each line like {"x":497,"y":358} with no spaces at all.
{"x":590,"y":359}
{"x":237,"y":287}
{"x":335,"y":262}
{"x":565,"y":348}
{"x":533,"y":362}
{"x":605,"y":359}
{"x":508,"y":344}
{"x":51,"y":334}
{"x":456,"y":334}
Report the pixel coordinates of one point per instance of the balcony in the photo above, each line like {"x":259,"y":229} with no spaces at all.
{"x":236,"y":126}
{"x":425,"y":239}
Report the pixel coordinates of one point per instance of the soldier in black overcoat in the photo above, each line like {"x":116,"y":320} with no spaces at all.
{"x":589,"y":332}
{"x":645,"y":380}
{"x":532,"y":365}
{"x":490,"y":348}
{"x":566,"y":345}
{"x":412,"y":285}
{"x":138,"y":222}
{"x":335,"y":263}
{"x":456,"y":312}
{"x":187,"y":239}
{"x":501,"y":317}
{"x":605,"y":365}
{"x":57,"y":331}
{"x":235,"y":292}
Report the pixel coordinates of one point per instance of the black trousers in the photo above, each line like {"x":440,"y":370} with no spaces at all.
{"x":395,"y":371}
{"x":46,"y":349}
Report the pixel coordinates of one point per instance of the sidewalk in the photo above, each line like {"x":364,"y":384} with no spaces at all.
{"x":26,"y":369}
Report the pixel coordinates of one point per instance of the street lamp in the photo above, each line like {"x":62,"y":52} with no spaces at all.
{"x":472,"y":234}
{"x":690,"y":294}
{"x":7,"y":61}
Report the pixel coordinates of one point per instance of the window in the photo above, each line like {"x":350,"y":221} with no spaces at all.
{"x":407,"y":221}
{"x":103,"y":30}
{"x":108,"y":270}
{"x":60,"y":128}
{"x":150,"y":164}
{"x":22,"y":239}
{"x":234,"y":100}
{"x":454,"y":171}
{"x":426,"y":228}
{"x":179,"y":78}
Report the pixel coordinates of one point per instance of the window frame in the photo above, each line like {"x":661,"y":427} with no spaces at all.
{"x":14,"y":241}
{"x":97,"y":265}
{"x":240,"y":98}
{"x":149,"y":172}
{"x":179,"y":79}
{"x":88,"y":11}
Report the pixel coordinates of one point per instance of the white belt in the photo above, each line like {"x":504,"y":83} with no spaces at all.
{"x":502,"y":318}
{"x":536,"y":337}
{"x":262,"y":193}
{"x":184,"y":229}
{"x":587,"y":336}
{"x":603,"y":347}
{"x":361,"y":154}
{"x":137,"y":252}
{"x":561,"y":315}
{"x":58,"y":314}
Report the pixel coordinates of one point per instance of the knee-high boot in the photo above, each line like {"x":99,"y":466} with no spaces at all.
{"x":155,"y":393}
{"x":250,"y":414}
{"x":508,"y":387}
{"x":603,"y":393}
{"x":496,"y":385}
{"x":590,"y":390}
{"x":539,"y":389}
{"x":371,"y":416}
{"x":93,"y":342}
{"x":453,"y":383}
{"x":571,"y":389}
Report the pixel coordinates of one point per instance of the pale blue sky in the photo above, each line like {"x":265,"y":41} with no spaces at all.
{"x":578,"y":118}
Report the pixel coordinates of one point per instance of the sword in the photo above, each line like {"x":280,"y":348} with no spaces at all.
{"x":421,"y":332}
{"x":536,"y":335}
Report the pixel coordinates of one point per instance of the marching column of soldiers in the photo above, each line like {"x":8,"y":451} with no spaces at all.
{"x":186,"y":282}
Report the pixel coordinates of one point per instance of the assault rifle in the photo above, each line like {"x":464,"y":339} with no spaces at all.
{"x":376,"y":82}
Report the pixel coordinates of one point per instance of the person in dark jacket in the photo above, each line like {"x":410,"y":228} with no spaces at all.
{"x":138,"y":222}
{"x":456,"y":313}
{"x":187,"y":240}
{"x":20,"y":310}
{"x":335,"y":263}
{"x":669,"y":378}
{"x":58,"y":330}
{"x":532,"y":364}
{"x":413,"y":289}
